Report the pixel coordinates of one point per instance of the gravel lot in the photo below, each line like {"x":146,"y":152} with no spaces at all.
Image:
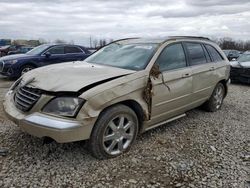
{"x":200,"y":150}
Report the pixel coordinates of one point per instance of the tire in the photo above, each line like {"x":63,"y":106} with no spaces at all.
{"x":216,"y":100}
{"x":114,"y":132}
{"x":25,"y":69}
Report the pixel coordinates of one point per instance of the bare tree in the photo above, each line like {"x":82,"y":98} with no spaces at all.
{"x":59,"y":41}
{"x":229,"y":43}
{"x":95,"y":43}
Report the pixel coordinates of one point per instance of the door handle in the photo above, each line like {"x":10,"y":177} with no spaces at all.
{"x":186,"y":75}
{"x":211,"y":68}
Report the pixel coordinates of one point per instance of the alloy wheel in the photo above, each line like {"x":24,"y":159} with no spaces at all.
{"x":119,"y":134}
{"x":218,"y":96}
{"x":26,"y":69}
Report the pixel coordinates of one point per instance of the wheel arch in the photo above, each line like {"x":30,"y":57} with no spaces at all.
{"x":224,"y":82}
{"x":29,"y":63}
{"x":135,"y":106}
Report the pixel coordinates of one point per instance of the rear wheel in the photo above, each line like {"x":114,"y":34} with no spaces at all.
{"x":215,"y":101}
{"x":114,"y":132}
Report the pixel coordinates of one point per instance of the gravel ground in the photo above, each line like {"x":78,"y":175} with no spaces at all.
{"x":200,"y":150}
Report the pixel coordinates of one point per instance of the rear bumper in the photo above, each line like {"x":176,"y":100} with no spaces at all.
{"x":43,"y":125}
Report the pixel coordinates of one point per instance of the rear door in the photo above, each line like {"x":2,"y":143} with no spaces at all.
{"x":74,"y":53}
{"x":172,"y":89}
{"x":218,"y":62}
{"x":203,"y":71}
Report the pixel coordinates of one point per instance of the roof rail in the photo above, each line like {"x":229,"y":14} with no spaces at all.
{"x":123,"y":39}
{"x":190,"y":37}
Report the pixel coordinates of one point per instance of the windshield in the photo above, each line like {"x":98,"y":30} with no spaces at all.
{"x":226,"y":51}
{"x":244,"y":58}
{"x":126,"y":56}
{"x":38,"y":50}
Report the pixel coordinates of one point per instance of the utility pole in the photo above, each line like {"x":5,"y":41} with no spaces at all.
{"x":90,"y":41}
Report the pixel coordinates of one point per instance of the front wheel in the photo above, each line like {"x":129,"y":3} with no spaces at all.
{"x":26,"y":68}
{"x":114,"y":132}
{"x":215,"y":101}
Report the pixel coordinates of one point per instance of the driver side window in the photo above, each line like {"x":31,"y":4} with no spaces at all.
{"x":172,"y":57}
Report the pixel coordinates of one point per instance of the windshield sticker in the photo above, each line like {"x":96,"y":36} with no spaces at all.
{"x":144,"y":47}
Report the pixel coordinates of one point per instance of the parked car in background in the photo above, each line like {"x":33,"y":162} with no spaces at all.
{"x":21,"y":50}
{"x":16,"y":65}
{"x":232,"y":54}
{"x":5,"y":49}
{"x":240,"y":69}
{"x":125,"y":88}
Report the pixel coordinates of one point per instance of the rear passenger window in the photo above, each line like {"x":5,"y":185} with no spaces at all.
{"x":214,"y":53}
{"x":72,"y":50}
{"x":172,"y":57}
{"x":58,"y":50}
{"x":196,"y":53}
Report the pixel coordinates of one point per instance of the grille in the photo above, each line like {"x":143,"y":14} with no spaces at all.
{"x":1,"y":66}
{"x":241,"y":71}
{"x":246,"y":72}
{"x":26,"y":97}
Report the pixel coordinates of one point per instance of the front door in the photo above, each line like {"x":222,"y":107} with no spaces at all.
{"x":173,"y":88}
{"x":56,"y":55}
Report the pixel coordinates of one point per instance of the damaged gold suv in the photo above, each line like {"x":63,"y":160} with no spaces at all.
{"x":125,"y":88}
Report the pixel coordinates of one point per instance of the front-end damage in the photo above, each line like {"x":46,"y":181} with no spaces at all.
{"x":126,"y":90}
{"x":97,"y":96}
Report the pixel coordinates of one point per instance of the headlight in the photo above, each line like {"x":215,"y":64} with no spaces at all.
{"x":64,"y":106}
{"x":12,"y":61}
{"x":235,"y":64}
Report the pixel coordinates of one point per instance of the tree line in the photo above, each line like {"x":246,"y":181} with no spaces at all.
{"x":224,"y":43}
{"x":229,"y":43}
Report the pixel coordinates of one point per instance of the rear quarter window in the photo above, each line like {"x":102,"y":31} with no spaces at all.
{"x":215,"y":55}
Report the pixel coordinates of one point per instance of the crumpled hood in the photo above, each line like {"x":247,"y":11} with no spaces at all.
{"x":240,"y":64}
{"x":71,"y":76}
{"x":15,"y":57}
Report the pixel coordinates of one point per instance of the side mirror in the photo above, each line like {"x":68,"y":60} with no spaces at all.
{"x":47,"y":54}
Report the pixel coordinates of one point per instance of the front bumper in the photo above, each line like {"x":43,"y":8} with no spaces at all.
{"x":43,"y":125}
{"x":6,"y":69}
{"x":240,"y":74}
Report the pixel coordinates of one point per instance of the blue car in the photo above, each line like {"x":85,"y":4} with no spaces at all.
{"x":14,"y":66}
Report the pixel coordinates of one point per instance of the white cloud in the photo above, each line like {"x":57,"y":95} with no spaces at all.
{"x":77,"y":20}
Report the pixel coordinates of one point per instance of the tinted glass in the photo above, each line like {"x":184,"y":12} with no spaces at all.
{"x":56,"y":50}
{"x":172,"y":57}
{"x":72,"y":50}
{"x":207,"y":55}
{"x":214,"y":53}
{"x":38,"y":50}
{"x":196,"y":53}
{"x":226,"y":52}
{"x":126,"y":56}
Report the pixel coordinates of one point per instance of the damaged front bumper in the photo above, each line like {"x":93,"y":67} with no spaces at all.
{"x":240,"y":74}
{"x":43,"y":125}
